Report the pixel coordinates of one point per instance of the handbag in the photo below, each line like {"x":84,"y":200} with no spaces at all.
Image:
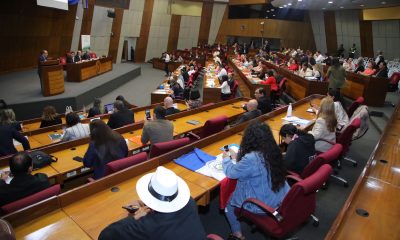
{"x":41,"y":159}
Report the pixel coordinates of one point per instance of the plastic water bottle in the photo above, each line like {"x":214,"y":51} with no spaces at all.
{"x":289,"y":110}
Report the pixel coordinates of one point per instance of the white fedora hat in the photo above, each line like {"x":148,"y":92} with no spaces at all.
{"x":163,"y":191}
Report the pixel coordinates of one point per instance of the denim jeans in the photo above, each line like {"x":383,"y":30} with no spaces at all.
{"x":232,"y":219}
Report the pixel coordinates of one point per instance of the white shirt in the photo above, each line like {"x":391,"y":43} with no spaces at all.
{"x":341,"y":115}
{"x":221,"y":73}
{"x":77,"y":131}
{"x":180,"y":81}
{"x":191,"y":71}
{"x":225,"y":88}
{"x":320,"y":131}
{"x":319,"y":59}
{"x":307,"y":73}
{"x":167,"y":58}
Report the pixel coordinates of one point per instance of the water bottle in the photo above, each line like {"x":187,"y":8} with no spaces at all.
{"x":289,"y":110}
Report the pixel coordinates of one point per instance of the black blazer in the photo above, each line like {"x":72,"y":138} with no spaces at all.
{"x":55,"y":121}
{"x":22,"y":186}
{"x":7,"y":134}
{"x":248,"y":116}
{"x":121,"y":118}
{"x":171,"y":110}
{"x":77,"y":58}
{"x":93,"y":112}
{"x":264,"y":105}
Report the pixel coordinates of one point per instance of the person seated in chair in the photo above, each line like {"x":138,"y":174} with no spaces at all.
{"x":165,"y":211}
{"x":78,"y":57}
{"x":86,"y":56}
{"x":75,"y":129}
{"x":252,"y":112}
{"x":264,"y":103}
{"x":71,"y":57}
{"x":22,"y":183}
{"x":169,"y":106}
{"x":157,"y":129}
{"x":300,"y":147}
{"x":121,"y":116}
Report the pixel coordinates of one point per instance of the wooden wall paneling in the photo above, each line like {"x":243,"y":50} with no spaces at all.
{"x":174,"y":32}
{"x":116,"y":33}
{"x":86,"y":21}
{"x":205,"y":22}
{"x":28,"y":28}
{"x":292,"y":33}
{"x":221,"y":36}
{"x":366,"y":38}
{"x":141,"y":43}
{"x":330,"y":32}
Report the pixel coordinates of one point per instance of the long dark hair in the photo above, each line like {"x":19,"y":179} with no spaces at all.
{"x":106,"y":141}
{"x":258,"y":138}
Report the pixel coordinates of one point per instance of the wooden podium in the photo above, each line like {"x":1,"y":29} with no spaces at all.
{"x":51,"y":77}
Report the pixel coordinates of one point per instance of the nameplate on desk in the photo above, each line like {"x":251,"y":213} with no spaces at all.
{"x":71,"y":174}
{"x":85,"y":169}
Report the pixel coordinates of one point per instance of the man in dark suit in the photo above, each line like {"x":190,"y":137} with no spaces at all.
{"x":7,"y":134}
{"x":264,"y":103}
{"x":23,"y":183}
{"x":252,"y":112}
{"x":78,"y":56}
{"x":121,"y":116}
{"x":86,"y":56}
{"x":71,"y":57}
{"x":43,"y":56}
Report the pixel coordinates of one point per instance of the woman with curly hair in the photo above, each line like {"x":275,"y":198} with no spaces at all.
{"x":259,"y":171}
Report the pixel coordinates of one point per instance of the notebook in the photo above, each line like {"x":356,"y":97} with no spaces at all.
{"x":193,"y":122}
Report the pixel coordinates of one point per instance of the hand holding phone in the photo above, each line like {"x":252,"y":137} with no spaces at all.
{"x":148,"y":116}
{"x":131,"y":209}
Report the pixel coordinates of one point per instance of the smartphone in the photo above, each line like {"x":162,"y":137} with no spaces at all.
{"x":77,"y":158}
{"x":131,"y":208}
{"x":148,"y":114}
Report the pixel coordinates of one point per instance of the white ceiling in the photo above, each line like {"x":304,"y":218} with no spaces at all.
{"x":335,"y":5}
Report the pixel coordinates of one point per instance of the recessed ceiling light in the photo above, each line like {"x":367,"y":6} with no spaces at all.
{"x":266,"y":17}
{"x":280,"y":7}
{"x":272,"y":10}
{"x":267,"y":10}
{"x":341,"y":7}
{"x":323,"y":8}
{"x":383,"y":2}
{"x":299,"y":0}
{"x":274,"y":15}
{"x":285,"y":5}
{"x":362,"y":5}
{"x":330,"y":2}
{"x":289,"y":4}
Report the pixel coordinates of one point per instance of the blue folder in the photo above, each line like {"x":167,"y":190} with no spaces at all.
{"x":194,"y":160}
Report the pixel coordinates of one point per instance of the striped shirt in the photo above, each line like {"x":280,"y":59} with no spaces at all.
{"x":77,"y":131}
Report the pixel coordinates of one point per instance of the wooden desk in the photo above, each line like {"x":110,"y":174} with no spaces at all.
{"x":377,"y":191}
{"x":78,"y":72}
{"x":45,"y":227}
{"x":82,"y":204}
{"x":159,"y":63}
{"x":252,"y":83}
{"x":373,"y":89}
{"x":211,"y":86}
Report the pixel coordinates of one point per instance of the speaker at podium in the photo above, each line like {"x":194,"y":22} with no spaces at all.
{"x":51,"y":75}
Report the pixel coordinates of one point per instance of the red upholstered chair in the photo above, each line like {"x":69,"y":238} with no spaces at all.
{"x":226,"y":188}
{"x":394,"y":82}
{"x":158,"y":149}
{"x":211,"y":126}
{"x":32,"y":199}
{"x":297,"y":206}
{"x":123,"y":163}
{"x":234,"y":89}
{"x":354,"y":105}
{"x":63,"y":60}
{"x":92,"y":55}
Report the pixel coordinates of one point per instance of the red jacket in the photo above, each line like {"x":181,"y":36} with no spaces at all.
{"x":271,"y":81}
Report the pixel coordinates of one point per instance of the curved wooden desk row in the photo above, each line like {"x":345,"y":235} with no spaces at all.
{"x":86,"y":210}
{"x":299,"y":87}
{"x":41,"y":137}
{"x":373,"y":89}
{"x":66,"y":167}
{"x":32,"y":125}
{"x":159,"y":63}
{"x":251,"y":85}
{"x":377,"y":191}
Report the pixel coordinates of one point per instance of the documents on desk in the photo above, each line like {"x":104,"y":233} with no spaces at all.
{"x":203,"y":163}
{"x":296,"y":120}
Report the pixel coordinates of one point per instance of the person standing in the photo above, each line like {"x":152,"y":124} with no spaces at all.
{"x":43,"y":56}
{"x":167,"y":59}
{"x":336,"y":75}
{"x":352,"y":51}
